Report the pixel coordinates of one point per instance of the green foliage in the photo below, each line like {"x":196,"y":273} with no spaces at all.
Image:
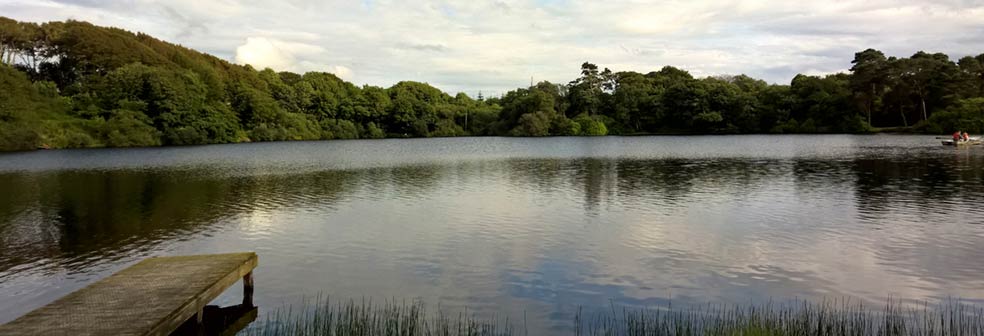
{"x":592,"y":126}
{"x":74,"y":84}
{"x":413,"y":108}
{"x":967,"y":116}
{"x":855,"y":124}
{"x":374,"y":132}
{"x":130,"y":129}
{"x":339,"y":129}
{"x":264,"y":132}
{"x":220,"y":123}
{"x":789,"y":126}
{"x":532,"y":125}
{"x":708,"y":120}
{"x":18,"y":136}
{"x":564,"y":126}
{"x":303,"y":127}
{"x":19,"y":103}
{"x":447,"y":128}
{"x":808,"y":126}
{"x":483,"y":119}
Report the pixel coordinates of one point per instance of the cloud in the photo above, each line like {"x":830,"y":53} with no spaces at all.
{"x":435,"y":47}
{"x":263,"y":53}
{"x":495,"y":46}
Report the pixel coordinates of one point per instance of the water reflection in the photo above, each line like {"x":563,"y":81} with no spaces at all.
{"x":540,"y":230}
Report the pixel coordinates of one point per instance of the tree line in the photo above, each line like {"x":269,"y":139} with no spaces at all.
{"x":73,"y":84}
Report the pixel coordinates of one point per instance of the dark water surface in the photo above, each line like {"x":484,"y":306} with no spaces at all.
{"x":510,"y":225}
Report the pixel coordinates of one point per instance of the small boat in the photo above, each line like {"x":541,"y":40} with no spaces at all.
{"x":959,"y":143}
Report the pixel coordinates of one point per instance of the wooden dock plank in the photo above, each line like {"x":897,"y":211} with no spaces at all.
{"x":152,"y":297}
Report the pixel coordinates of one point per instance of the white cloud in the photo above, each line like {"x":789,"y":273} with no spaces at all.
{"x":265,"y":52}
{"x":262,"y":53}
{"x":341,"y":71}
{"x":496,"y":46}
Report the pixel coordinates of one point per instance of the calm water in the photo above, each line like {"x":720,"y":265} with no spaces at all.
{"x":507,"y":225}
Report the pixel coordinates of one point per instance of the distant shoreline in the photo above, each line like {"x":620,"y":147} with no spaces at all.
{"x":667,"y":134}
{"x":72,"y":84}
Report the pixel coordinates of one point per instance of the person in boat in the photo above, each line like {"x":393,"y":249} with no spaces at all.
{"x":966,"y":136}
{"x":956,"y":136}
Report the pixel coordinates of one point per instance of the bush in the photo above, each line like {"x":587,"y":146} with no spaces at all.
{"x":708,"y":118}
{"x":421,"y":128}
{"x":299,"y":126}
{"x":339,"y":129}
{"x":808,"y":126}
{"x":129,"y":129}
{"x":19,"y":105}
{"x":185,"y":135}
{"x":447,"y":128}
{"x":591,"y":126}
{"x":18,"y":136}
{"x":856,"y":124}
{"x":78,"y":140}
{"x":532,"y":124}
{"x":264,"y":132}
{"x":789,"y":126}
{"x":220,"y":123}
{"x":966,"y":115}
{"x":564,"y":126}
{"x":71,"y":133}
{"x":373,"y":132}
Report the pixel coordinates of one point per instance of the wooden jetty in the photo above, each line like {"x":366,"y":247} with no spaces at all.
{"x":153,"y":297}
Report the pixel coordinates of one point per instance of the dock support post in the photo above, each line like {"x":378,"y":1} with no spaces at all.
{"x":248,"y":289}
{"x":200,"y":319}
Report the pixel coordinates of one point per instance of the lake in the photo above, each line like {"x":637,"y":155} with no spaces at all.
{"x":525,"y":228}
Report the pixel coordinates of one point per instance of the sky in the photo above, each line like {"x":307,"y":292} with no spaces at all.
{"x":496,"y":46}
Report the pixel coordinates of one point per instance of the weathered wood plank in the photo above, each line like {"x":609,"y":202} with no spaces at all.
{"x":153,"y":297}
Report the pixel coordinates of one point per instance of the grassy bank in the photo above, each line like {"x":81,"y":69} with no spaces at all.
{"x":799,"y":318}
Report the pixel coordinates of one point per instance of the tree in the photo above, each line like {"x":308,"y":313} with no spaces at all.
{"x":746,"y":109}
{"x":590,"y":125}
{"x":19,"y":103}
{"x":588,"y":91}
{"x":520,"y":102}
{"x":682,"y":101}
{"x":634,"y":104}
{"x":927,"y":76}
{"x":74,"y":84}
{"x":533,"y":125}
{"x":824,"y":103}
{"x":966,"y":115}
{"x":868,"y":79}
{"x":126,"y":128}
{"x":413,"y":107}
{"x":16,"y":38}
{"x":973,"y":69}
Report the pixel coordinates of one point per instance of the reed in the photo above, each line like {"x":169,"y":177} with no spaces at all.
{"x":365,"y":318}
{"x":844,"y":317}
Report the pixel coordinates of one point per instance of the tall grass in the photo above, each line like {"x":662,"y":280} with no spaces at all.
{"x":804,"y":318}
{"x":950,"y":317}
{"x":351,"y":318}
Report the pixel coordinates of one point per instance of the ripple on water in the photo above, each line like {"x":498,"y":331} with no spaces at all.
{"x":528,"y":228}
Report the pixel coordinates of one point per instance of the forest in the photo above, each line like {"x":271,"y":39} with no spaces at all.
{"x":73,"y":84}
